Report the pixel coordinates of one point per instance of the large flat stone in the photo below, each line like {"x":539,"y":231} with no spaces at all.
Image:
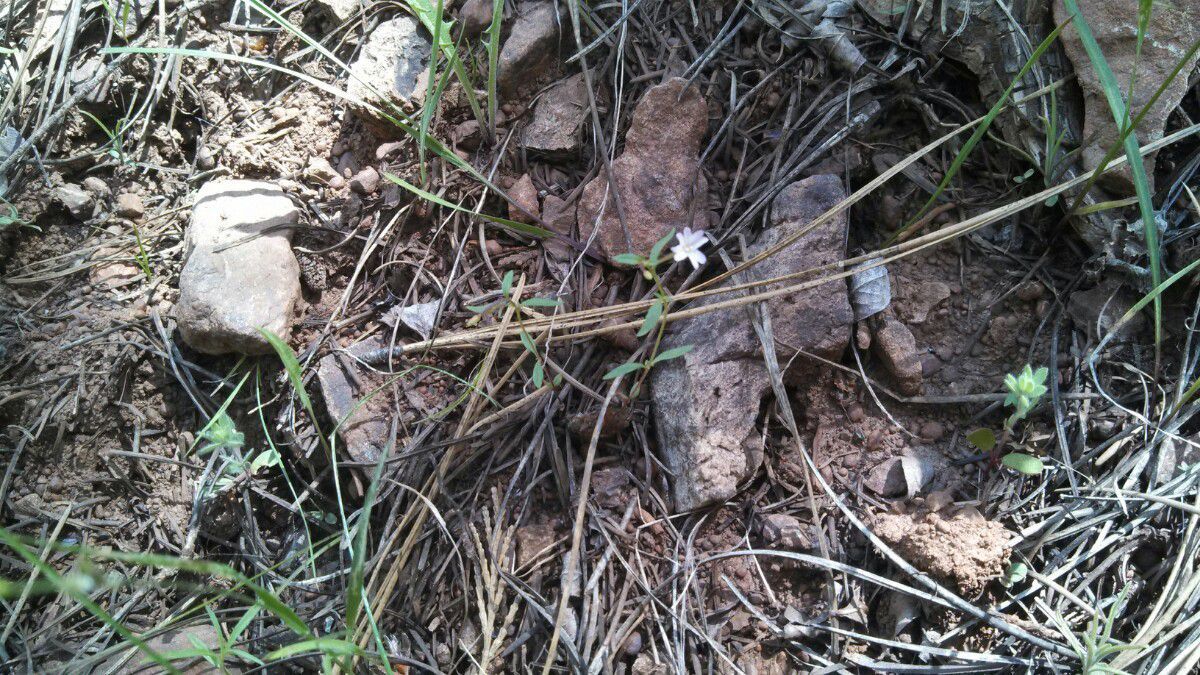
{"x":707,"y":403}
{"x":354,"y":402}
{"x":239,"y":272}
{"x":1173,"y":28}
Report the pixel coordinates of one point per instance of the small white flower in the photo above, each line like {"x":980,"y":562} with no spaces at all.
{"x":688,"y":247}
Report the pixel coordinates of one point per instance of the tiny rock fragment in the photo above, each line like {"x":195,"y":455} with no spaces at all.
{"x":658,"y":175}
{"x":96,"y":186}
{"x":420,"y":317}
{"x":902,"y":476}
{"x":531,"y":48}
{"x":76,"y":200}
{"x":535,"y":541}
{"x":239,"y":272}
{"x":785,"y":531}
{"x":524,"y":196}
{"x":394,"y":61}
{"x":612,"y":488}
{"x":897,"y":349}
{"x":558,"y":118}
{"x":365,"y":182}
{"x":129,"y":205}
{"x":339,"y":11}
{"x":870,"y":290}
{"x":1172,"y":30}
{"x":320,"y":169}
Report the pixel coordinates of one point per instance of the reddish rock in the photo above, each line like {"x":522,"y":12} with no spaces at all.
{"x":897,"y":349}
{"x":658,"y":176}
{"x":531,"y":48}
{"x":1173,"y":28}
{"x":524,"y":195}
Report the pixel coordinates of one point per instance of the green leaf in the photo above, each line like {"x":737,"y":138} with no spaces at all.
{"x":506,"y":283}
{"x":1015,"y":574}
{"x":522,"y":228}
{"x":1023,"y":463}
{"x":541,"y":302}
{"x":290,"y":364}
{"x":323,"y":645}
{"x":658,"y":247}
{"x":623,"y":369}
{"x":480,"y":309}
{"x":631,"y":259}
{"x":269,"y":457}
{"x":539,"y":374}
{"x":528,"y":342}
{"x":652,"y":317}
{"x":983,"y":439}
{"x":672,"y":354}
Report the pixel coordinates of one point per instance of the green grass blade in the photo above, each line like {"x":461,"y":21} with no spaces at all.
{"x":76,"y":594}
{"x":493,"y":54}
{"x":1141,"y":183}
{"x":982,"y":129}
{"x":291,"y":365}
{"x":522,"y":228}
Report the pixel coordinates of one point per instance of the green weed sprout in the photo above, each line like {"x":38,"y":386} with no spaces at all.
{"x":1025,"y":389}
{"x":539,"y":366}
{"x":688,"y":249}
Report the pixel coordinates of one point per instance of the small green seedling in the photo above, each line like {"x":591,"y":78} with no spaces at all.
{"x":1025,"y":389}
{"x":520,"y":310}
{"x":687,"y":249}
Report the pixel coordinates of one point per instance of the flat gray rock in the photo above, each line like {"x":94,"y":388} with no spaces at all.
{"x":239,"y":271}
{"x":558,"y":118}
{"x":707,"y":402}
{"x":531,"y":48}
{"x":353,"y":402}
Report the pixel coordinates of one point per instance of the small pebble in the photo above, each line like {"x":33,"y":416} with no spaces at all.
{"x":365,"y":182}
{"x":129,"y":205}
{"x":855,"y":413}
{"x":932,"y":431}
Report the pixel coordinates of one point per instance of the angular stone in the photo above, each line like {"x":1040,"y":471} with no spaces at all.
{"x":77,"y":200}
{"x":365,"y":182}
{"x":531,"y":47}
{"x":362,"y":424}
{"x":897,"y":349}
{"x":129,"y":205}
{"x":1173,"y":28}
{"x":340,"y":11}
{"x":558,"y":118}
{"x":708,"y":401}
{"x":658,"y":176}
{"x":239,"y":272}
{"x":524,"y":195}
{"x":393,"y":61}
{"x":785,"y":531}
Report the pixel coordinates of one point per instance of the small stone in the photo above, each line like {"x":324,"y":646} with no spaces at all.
{"x":129,"y":205}
{"x":897,"y":349}
{"x":205,"y":159}
{"x":612,"y":488}
{"x":785,"y":531}
{"x":531,"y":47}
{"x":320,"y":169}
{"x":362,"y":423}
{"x":393,"y":61}
{"x":535,"y":541}
{"x":475,"y":16}
{"x":558,"y":118}
{"x":231,"y":285}
{"x":77,"y":200}
{"x":365,"y":182}
{"x":339,"y":11}
{"x":524,"y":200}
{"x":932,"y":431}
{"x":96,"y":186}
